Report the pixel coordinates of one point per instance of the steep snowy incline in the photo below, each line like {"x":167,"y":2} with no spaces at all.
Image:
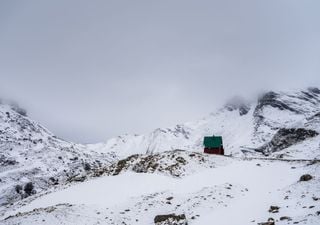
{"x":30,"y":154}
{"x":244,"y":126}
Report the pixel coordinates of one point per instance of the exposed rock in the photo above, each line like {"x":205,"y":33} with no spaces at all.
{"x":285,"y":218}
{"x":274,"y":209}
{"x":270,"y":222}
{"x":271,"y":99}
{"x":175,"y":163}
{"x":87,"y":166}
{"x":181,"y":160}
{"x":54,"y":181}
{"x":285,"y":138}
{"x":49,"y":209}
{"x":315,"y":199}
{"x":305,"y":177}
{"x":267,"y":223}
{"x":123,"y":164}
{"x":237,"y":103}
{"x":7,"y":162}
{"x":18,"y":109}
{"x":314,"y":90}
{"x":29,"y":188}
{"x":18,"y":189}
{"x":77,"y":179}
{"x":170,"y":219}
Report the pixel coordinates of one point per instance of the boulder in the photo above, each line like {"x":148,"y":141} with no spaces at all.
{"x":274,"y":209}
{"x":170,"y":219}
{"x":306,"y":177}
{"x":270,"y":222}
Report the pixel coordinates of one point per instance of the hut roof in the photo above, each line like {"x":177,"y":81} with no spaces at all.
{"x":212,"y":141}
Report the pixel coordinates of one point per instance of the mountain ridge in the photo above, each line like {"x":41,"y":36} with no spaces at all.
{"x":239,"y":122}
{"x":32,"y":154}
{"x":280,"y":126}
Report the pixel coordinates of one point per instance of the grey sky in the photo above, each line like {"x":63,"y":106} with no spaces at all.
{"x":90,"y":70}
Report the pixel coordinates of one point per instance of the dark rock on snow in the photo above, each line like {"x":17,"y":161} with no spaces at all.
{"x":285,"y":218}
{"x":171,"y":219}
{"x":285,"y":138}
{"x":274,"y":209}
{"x":237,"y":103}
{"x":272,"y":99}
{"x":270,"y":222}
{"x":306,"y":177}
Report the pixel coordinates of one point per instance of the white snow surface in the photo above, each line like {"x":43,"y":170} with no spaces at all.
{"x":238,"y":192}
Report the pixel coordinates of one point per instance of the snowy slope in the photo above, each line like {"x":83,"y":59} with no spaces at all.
{"x":243,"y":125}
{"x":233,"y":193}
{"x":88,"y":184}
{"x":30,"y":153}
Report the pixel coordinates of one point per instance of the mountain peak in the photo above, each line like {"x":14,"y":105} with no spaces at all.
{"x":14,"y":106}
{"x":238,"y":103}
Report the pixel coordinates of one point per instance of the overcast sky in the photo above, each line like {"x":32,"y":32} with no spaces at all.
{"x":90,"y":70}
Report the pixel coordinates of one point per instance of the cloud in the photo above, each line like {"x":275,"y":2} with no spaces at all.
{"x":93,"y":71}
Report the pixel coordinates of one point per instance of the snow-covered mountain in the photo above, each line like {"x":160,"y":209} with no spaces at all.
{"x":163,"y":177}
{"x":30,"y":154}
{"x":245,"y":127}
